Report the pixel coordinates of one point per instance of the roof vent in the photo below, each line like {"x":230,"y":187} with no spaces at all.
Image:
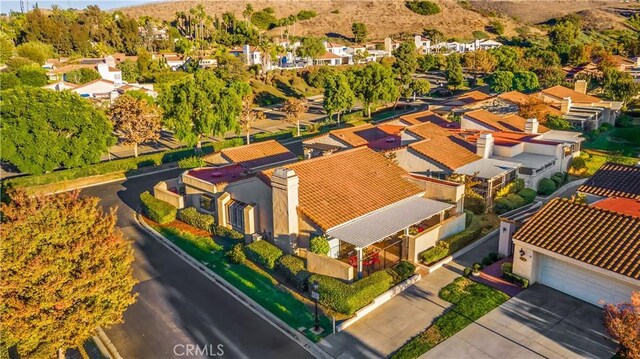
{"x":216,"y":174}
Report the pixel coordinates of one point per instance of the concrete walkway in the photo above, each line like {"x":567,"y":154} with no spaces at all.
{"x":409,"y":313}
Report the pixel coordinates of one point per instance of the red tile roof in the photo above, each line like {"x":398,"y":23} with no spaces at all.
{"x":343,"y":186}
{"x":621,"y":205}
{"x":506,"y":123}
{"x":592,"y":235}
{"x":417,"y":118}
{"x":442,"y":146}
{"x":614,"y":180}
{"x":220,"y":175}
{"x":560,"y":92}
{"x":258,"y":154}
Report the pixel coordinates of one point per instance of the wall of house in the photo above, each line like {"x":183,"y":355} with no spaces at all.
{"x":198,"y":185}
{"x":412,"y":161}
{"x":407,"y":138}
{"x":324,"y":265}
{"x":441,"y":190}
{"x":306,"y":230}
{"x":508,"y":151}
{"x":467,"y":124}
{"x":428,"y":238}
{"x":328,"y":140}
{"x":527,"y":265}
{"x":161,"y":192}
{"x":506,"y":233}
{"x":255,"y":192}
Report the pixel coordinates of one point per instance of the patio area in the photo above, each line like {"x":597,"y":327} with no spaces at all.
{"x":492,"y":277}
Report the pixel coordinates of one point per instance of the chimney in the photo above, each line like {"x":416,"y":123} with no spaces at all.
{"x":531,"y":126}
{"x":285,"y":185}
{"x":246,"y":51}
{"x":387,"y":44}
{"x":110,"y":61}
{"x":484,"y":146}
{"x":565,"y":105}
{"x":417,"y":40}
{"x":580,"y":86}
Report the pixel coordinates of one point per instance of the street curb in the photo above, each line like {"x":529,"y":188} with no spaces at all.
{"x":269,"y":317}
{"x":105,"y":345}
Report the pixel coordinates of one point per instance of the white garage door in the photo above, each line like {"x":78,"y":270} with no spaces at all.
{"x":583,"y":283}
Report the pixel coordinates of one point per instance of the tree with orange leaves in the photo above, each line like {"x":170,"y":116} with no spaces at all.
{"x":66,"y":270}
{"x":535,"y":107}
{"x":622,"y":322}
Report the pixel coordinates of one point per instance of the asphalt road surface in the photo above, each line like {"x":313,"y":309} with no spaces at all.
{"x":178,"y":306}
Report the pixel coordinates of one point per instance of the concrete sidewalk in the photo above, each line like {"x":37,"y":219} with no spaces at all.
{"x":407,"y":314}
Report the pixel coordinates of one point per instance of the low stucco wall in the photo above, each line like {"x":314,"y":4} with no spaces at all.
{"x":161,"y":192}
{"x":428,"y":239}
{"x":328,"y":266}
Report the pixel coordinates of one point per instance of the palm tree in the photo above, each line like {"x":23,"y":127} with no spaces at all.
{"x":294,"y":109}
{"x":249,"y":116}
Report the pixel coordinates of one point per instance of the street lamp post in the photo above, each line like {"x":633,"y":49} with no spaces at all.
{"x":316,"y":295}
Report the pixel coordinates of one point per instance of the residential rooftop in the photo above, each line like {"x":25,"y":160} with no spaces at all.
{"x":511,"y":122}
{"x":621,"y":205}
{"x":346,"y":185}
{"x":259,"y":154}
{"x":614,"y":180}
{"x":596,"y":236}
{"x":560,"y":92}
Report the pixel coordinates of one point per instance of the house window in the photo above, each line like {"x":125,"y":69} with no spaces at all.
{"x":236,"y":215}
{"x":526,"y":171}
{"x":207,"y":203}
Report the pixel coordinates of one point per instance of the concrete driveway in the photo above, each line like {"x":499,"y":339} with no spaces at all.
{"x":540,"y":322}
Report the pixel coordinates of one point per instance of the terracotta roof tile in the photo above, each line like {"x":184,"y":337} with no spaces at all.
{"x":507,"y":123}
{"x":469,"y":98}
{"x":560,"y":92}
{"x":515,"y":97}
{"x":592,"y":235}
{"x":424,"y":116}
{"x":621,"y":205}
{"x":258,"y":154}
{"x":358,"y":135}
{"x":343,"y":186}
{"x":614,"y":180}
{"x":442,"y":146}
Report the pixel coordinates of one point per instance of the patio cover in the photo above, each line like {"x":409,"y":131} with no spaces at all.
{"x":378,"y":225}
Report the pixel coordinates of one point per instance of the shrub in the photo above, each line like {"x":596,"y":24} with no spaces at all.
{"x":404,"y":270}
{"x":486,"y":261}
{"x":558,"y":178}
{"x":461,"y":239}
{"x":236,"y":254}
{"x":528,"y":195}
{"x":516,"y":200}
{"x":228,"y":233}
{"x":264,"y":253}
{"x":191,"y":162}
{"x":422,"y":7}
{"x":157,"y":210}
{"x":475,"y":204}
{"x":578,"y":164}
{"x":514,"y":186}
{"x":319,"y":245}
{"x":507,"y":267}
{"x":546,"y":187}
{"x":476,"y":267}
{"x":433,"y":255}
{"x":192,"y":217}
{"x":306,"y":14}
{"x":469,"y":218}
{"x":502,"y":205}
{"x":514,"y":278}
{"x":494,"y":257}
{"x":293,"y":268}
{"x":348,"y":298}
{"x":467,"y":272}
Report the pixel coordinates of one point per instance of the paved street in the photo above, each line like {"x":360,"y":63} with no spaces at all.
{"x":177,"y":305}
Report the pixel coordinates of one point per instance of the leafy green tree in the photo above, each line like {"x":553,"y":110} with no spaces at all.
{"x":16,"y":62}
{"x":319,"y":245}
{"x":508,"y":57}
{"x":66,"y":270}
{"x":428,"y":62}
{"x":453,"y":72}
{"x":496,"y":27}
{"x":204,"y":105}
{"x":579,"y":55}
{"x":406,"y":61}
{"x":35,"y":51}
{"x":32,"y":75}
{"x":479,"y":62}
{"x":311,"y":47}
{"x":501,"y":81}
{"x":338,"y":96}
{"x":551,"y":76}
{"x":373,"y":83}
{"x":9,"y":80}
{"x":525,"y":81}
{"x":72,"y":132}
{"x":419,"y":87}
{"x":359,"y":31}
{"x":82,"y":76}
{"x":619,"y":86}
{"x":555,"y":122}
{"x":130,"y":70}
{"x":7,"y":47}
{"x":422,"y":7}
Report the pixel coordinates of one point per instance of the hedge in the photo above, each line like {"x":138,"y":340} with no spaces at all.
{"x":433,"y":254}
{"x":192,"y":217}
{"x":236,"y":254}
{"x":469,"y":218}
{"x":191,"y":162}
{"x":404,"y":270}
{"x":516,"y":200}
{"x":121,"y":165}
{"x":264,"y":253}
{"x":507,"y":267}
{"x":293,"y":268}
{"x":475,"y":204}
{"x":461,"y":239}
{"x":528,"y":194}
{"x":546,"y":187}
{"x":514,"y":278}
{"x":514,"y":186}
{"x":319,"y":245}
{"x":159,"y":211}
{"x":228,"y":233}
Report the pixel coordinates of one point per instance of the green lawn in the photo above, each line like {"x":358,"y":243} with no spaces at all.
{"x":472,"y":300}
{"x":623,"y":140}
{"x":386,"y":114}
{"x":247,"y":277}
{"x":595,"y":159}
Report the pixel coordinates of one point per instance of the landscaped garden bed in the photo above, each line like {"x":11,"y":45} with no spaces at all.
{"x":471,"y":301}
{"x":251,"y":279}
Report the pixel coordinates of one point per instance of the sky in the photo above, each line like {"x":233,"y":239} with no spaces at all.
{"x":8,"y":5}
